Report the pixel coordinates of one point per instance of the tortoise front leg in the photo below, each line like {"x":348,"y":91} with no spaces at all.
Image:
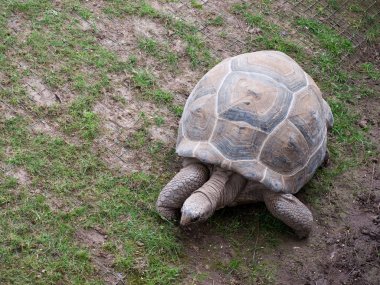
{"x":189,"y":179}
{"x":290,"y":210}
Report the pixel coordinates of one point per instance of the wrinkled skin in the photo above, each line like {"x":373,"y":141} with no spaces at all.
{"x":199,"y":190}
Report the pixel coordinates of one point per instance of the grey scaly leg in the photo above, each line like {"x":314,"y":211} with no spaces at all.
{"x":290,"y":210}
{"x":171,"y":198}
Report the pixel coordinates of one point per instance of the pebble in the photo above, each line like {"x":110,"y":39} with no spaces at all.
{"x":363,"y":123}
{"x":364,"y":231}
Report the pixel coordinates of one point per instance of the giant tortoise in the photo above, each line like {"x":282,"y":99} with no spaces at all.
{"x":254,"y":128}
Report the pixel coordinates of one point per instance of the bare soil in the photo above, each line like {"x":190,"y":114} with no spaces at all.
{"x":94,"y":239}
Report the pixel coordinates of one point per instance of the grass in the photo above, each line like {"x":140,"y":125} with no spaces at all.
{"x":195,"y":4}
{"x":70,"y":188}
{"x":94,"y":198}
{"x":216,"y":21}
{"x":270,"y":38}
{"x":159,"y":51}
{"x":329,"y":39}
{"x":198,"y":53}
{"x":146,"y":83}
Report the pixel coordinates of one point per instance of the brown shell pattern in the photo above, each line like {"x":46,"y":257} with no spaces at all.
{"x":258,"y":114}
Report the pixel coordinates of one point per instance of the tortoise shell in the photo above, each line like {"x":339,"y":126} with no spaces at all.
{"x":258,"y":114}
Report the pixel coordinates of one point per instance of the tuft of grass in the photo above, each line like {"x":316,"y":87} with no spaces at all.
{"x":159,"y":120}
{"x":334,"y":4}
{"x":138,"y":140}
{"x":82,"y":119}
{"x":195,"y":4}
{"x":370,"y":70}
{"x":162,"y":96}
{"x":143,"y":79}
{"x":216,"y":21}
{"x":177,"y":110}
{"x":271,"y":37}
{"x":158,"y":50}
{"x":150,"y":46}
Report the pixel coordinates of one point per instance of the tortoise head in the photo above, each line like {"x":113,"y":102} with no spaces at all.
{"x":197,"y":208}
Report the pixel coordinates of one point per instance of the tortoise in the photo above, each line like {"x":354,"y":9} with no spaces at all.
{"x":253,"y":129}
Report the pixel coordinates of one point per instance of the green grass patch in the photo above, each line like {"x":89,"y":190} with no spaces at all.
{"x":330,"y":39}
{"x":271,"y":34}
{"x":199,"y":54}
{"x":38,"y":242}
{"x":145,"y":81}
{"x":161,"y":51}
{"x":62,"y":55}
{"x":216,"y":21}
{"x":195,"y":4}
{"x":371,"y":70}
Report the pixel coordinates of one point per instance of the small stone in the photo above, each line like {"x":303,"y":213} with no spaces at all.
{"x":254,"y":30}
{"x":373,"y":234}
{"x":363,"y":123}
{"x":364,"y":231}
{"x":139,"y":243}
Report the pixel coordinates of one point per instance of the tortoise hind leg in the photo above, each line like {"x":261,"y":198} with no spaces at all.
{"x":290,"y":210}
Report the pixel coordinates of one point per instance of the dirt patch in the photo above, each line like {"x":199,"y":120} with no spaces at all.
{"x":20,"y":174}
{"x":3,"y":79}
{"x":371,"y":117}
{"x":121,"y":35}
{"x":19,"y":27}
{"x":342,"y":249}
{"x":91,"y":237}
{"x":144,"y":27}
{"x":123,"y":114}
{"x":164,"y":135}
{"x":119,"y":122}
{"x":7,"y":112}
{"x":39,"y":93}
{"x":94,"y":239}
{"x":205,"y":253}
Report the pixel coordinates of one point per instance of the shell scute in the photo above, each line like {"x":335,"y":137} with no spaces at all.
{"x":286,"y":149}
{"x":254,"y":99}
{"x":210,"y":82}
{"x":307,"y":115}
{"x":250,"y":169}
{"x":237,"y":140}
{"x":274,"y":64}
{"x":206,"y":153}
{"x":199,"y":120}
{"x":315,"y":160}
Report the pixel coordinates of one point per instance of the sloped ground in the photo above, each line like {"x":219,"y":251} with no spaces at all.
{"x":90,"y":96}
